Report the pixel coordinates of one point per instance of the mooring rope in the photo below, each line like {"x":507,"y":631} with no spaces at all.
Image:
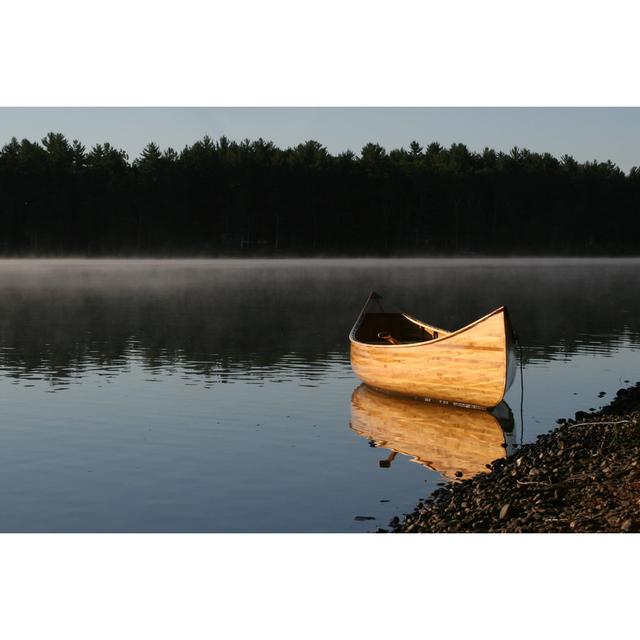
{"x":517,"y":339}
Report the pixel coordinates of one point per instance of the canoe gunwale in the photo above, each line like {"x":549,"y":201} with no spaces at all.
{"x":425,"y":343}
{"x":430,"y":327}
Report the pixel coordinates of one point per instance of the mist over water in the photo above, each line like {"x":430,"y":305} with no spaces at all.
{"x":215,"y":395}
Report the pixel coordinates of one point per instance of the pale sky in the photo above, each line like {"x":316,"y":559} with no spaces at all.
{"x":586,"y":133}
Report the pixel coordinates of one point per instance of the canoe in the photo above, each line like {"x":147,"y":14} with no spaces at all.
{"x":394,"y":352}
{"x":455,"y":441}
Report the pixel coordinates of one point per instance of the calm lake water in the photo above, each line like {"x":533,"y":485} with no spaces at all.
{"x":195,"y":395}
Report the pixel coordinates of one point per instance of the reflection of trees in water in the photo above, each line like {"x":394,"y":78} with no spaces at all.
{"x":264,"y":317}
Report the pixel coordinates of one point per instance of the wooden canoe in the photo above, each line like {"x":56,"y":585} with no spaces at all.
{"x":474,"y":365}
{"x":446,"y":438}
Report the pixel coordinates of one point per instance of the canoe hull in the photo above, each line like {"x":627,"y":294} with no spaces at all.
{"x":473,"y":366}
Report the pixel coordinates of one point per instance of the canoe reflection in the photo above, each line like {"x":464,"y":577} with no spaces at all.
{"x":445,"y":438}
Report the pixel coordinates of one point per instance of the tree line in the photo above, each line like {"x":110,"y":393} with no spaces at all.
{"x":252,"y":198}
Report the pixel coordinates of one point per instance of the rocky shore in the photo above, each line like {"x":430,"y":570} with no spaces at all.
{"x":584,"y":476}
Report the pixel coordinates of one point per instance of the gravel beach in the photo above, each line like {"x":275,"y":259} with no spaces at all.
{"x":584,"y":476}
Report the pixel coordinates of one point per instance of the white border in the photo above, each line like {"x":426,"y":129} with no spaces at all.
{"x":334,"y":52}
{"x":317,"y":586}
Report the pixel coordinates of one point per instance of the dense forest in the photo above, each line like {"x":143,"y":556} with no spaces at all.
{"x":252,"y":198}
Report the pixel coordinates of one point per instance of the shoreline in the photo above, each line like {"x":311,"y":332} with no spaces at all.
{"x":582,"y":476}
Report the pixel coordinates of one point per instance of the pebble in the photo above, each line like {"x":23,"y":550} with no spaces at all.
{"x":580,"y":478}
